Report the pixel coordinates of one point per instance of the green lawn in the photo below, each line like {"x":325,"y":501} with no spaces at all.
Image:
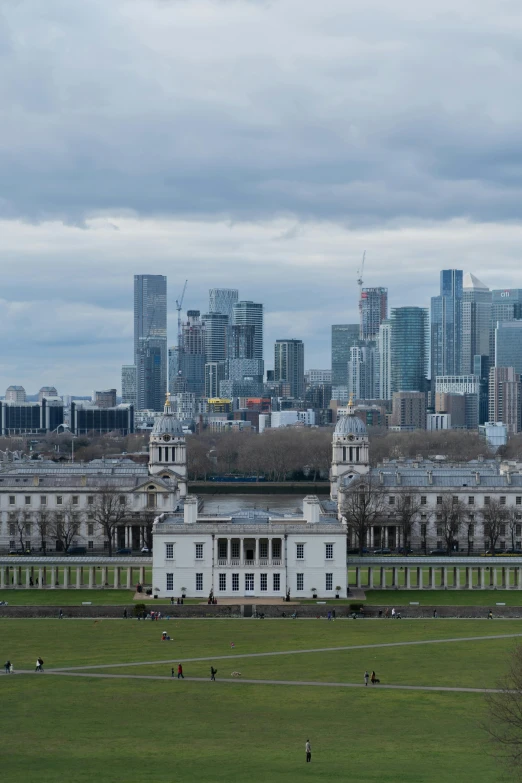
{"x":84,"y":729}
{"x":485,"y":598}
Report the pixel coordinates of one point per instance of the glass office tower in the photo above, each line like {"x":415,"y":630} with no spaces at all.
{"x":409,"y":348}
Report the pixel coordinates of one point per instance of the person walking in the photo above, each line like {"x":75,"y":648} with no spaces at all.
{"x":60,"y":615}
{"x":213,"y":673}
{"x":172,"y":672}
{"x":11,"y":670}
{"x":180,"y":671}
{"x":37,"y":667}
{"x":373,"y":678}
{"x":366,"y":677}
{"x":125,"y":614}
{"x":7,"y":666}
{"x":393,"y":614}
{"x":308,"y":749}
{"x":490,"y":615}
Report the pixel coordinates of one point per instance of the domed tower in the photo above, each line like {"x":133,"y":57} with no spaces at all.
{"x":350,"y":452}
{"x":167,"y":449}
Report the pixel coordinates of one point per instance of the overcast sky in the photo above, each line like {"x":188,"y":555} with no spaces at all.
{"x":261,"y":145}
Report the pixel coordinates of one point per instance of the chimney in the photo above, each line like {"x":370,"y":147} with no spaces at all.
{"x":477,"y":477}
{"x":190,"y":510}
{"x":430,"y":477}
{"x":36,"y":481}
{"x":311,"y":509}
{"x":398,"y":477}
{"x":381,"y":477}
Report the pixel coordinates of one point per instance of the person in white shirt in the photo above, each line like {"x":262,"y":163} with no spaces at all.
{"x":308,"y":749}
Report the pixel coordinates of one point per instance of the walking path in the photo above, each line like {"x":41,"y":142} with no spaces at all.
{"x":64,"y":669}
{"x":242,"y":680}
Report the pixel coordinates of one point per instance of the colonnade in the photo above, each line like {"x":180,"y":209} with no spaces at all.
{"x":74,"y":576}
{"x":438,"y":577}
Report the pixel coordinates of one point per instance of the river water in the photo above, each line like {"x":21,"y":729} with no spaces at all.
{"x":229,"y":504}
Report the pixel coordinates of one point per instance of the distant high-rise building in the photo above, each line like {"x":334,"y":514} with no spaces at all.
{"x":408,"y":411}
{"x":289,"y":365}
{"x":409,"y":348}
{"x":506,"y":305}
{"x":105,"y":398}
{"x":363,"y":370}
{"x":384,"y":391}
{"x":373,"y":310}
{"x":476,"y":321}
{"x":128,"y":384}
{"x":446,"y":325}
{"x":344,"y":336}
{"x":505,"y":398}
{"x":469,"y":386}
{"x":47,"y":391}
{"x":316,"y":377}
{"x":481,"y":366}
{"x":222,"y":300}
{"x":508,"y":345}
{"x":87,"y":419}
{"x":15,"y":394}
{"x":250,"y":314}
{"x":217,"y":336}
{"x":192,"y":356}
{"x":214,"y":374}
{"x":150,"y":340}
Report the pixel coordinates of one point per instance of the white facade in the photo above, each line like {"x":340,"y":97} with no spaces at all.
{"x":249,"y":556}
{"x":495,"y":433}
{"x":290,"y":418}
{"x":438,"y":421}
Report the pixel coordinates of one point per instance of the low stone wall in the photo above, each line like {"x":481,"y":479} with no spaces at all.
{"x":270,"y":611}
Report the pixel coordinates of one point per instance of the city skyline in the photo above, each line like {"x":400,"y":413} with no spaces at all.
{"x":279,"y":203}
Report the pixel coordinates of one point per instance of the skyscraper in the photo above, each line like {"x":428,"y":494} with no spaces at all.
{"x":150,"y":340}
{"x":409,"y":348}
{"x":250,"y":314}
{"x":343,"y":337}
{"x":446,"y":325}
{"x":222,"y":300}
{"x":289,"y":365}
{"x":216,"y":336}
{"x":363,"y":370}
{"x":505,"y":397}
{"x":476,"y":321}
{"x":373,"y":310}
{"x":508,"y":345}
{"x":128,"y":384}
{"x":192,"y":355}
{"x":384,"y":391}
{"x":506,"y":305}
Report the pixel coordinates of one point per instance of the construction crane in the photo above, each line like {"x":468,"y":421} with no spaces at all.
{"x":360,"y":275}
{"x":179,"y":305}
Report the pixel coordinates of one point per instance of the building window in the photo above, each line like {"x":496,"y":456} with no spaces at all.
{"x":235,"y":583}
{"x":28,"y":530}
{"x":105,"y":544}
{"x":43,"y":500}
{"x":263,"y":583}
{"x":90,"y":545}
{"x":518,"y":500}
{"x":299,"y":551}
{"x":199,"y":551}
{"x":12,"y":529}
{"x":59,"y":500}
{"x":75,"y":500}
{"x":90,"y":529}
{"x":502,"y":544}
{"x":263,"y":549}
{"x":486,"y":500}
{"x":276,"y":548}
{"x":424,"y":500}
{"x":502,"y":500}
{"x":329,"y":551}
{"x":90,"y":500}
{"x":169,"y":551}
{"x":222,"y":581}
{"x":518,"y":530}
{"x":235,"y":550}
{"x":27,"y":500}
{"x":439,"y":500}
{"x":151,"y":500}
{"x":391,"y":500}
{"x":454,"y":500}
{"x":12,"y":544}
{"x":439,"y":531}
{"x":502,"y":530}
{"x":299,"y":582}
{"x":276,"y":582}
{"x":123,"y":500}
{"x":471,"y":500}
{"x":471,"y":530}
{"x":423,"y":530}
{"x":249,"y":582}
{"x":329,"y":581}
{"x":170,"y":581}
{"x":199,"y":582}
{"x":439,"y":544}
{"x":12,"y":500}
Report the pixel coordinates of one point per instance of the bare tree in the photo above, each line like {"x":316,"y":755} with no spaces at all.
{"x":451,"y":515}
{"x":20,"y":519}
{"x":514,"y":521}
{"x":407,"y":510}
{"x":64,"y":525}
{"x":362,"y":505}
{"x":109,"y":510}
{"x":42,"y":520}
{"x":494,"y":518}
{"x":504,"y":722}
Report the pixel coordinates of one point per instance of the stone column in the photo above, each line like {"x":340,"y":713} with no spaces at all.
{"x":27,"y":578}
{"x":53,"y":577}
{"x":518,"y":577}
{"x":394,"y":577}
{"x":468,"y":578}
{"x":492,"y":576}
{"x":383,"y":578}
{"x":456,"y":578}
{"x":103,"y":576}
{"x":129,"y":578}
{"x":116,"y":577}
{"x":407,"y":577}
{"x":385,"y":531}
{"x":78,"y":577}
{"x":481,"y":577}
{"x":2,"y":577}
{"x":91,"y":569}
{"x":256,"y":551}
{"x":40,"y":578}
{"x":431,"y":578}
{"x":372,"y":537}
{"x":503,"y":571}
{"x":66,"y":577}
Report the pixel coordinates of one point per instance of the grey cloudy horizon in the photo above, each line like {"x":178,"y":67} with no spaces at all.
{"x":256,"y":145}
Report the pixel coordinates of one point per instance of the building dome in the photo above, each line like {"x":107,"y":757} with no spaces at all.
{"x":167,"y":424}
{"x":350,"y":425}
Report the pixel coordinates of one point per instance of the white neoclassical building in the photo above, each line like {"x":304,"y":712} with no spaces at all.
{"x":31,"y":487}
{"x":253,"y":554}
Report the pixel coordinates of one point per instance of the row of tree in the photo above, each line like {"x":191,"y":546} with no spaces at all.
{"x":364,"y":504}
{"x":108,"y":511}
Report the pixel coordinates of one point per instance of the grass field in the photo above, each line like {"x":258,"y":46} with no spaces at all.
{"x":134,"y":730}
